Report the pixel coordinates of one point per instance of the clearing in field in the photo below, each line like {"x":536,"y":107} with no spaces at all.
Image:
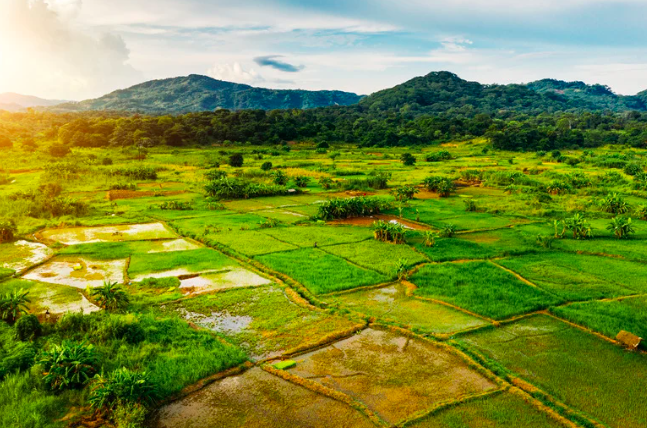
{"x":481,"y":287}
{"x":589,"y":374}
{"x":392,"y":375}
{"x":393,"y":305}
{"x":257,"y":399}
{"x":262,"y":320}
{"x":504,"y":410}
{"x":78,"y":272}
{"x":131,"y":232}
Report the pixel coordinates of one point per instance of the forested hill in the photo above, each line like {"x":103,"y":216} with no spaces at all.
{"x":445,"y":92}
{"x":201,"y":93}
{"x":591,"y":97}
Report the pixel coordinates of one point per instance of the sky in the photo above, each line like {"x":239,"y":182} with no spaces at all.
{"x":79,"y":49}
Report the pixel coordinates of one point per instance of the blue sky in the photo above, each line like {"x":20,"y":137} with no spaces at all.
{"x":76,"y":49}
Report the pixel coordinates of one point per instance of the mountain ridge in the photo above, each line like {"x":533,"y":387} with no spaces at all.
{"x":195,"y":93}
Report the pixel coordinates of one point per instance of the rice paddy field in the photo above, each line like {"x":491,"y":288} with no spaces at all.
{"x":334,"y":303}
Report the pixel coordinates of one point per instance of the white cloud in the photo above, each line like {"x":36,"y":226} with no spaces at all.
{"x":234,"y":73}
{"x":44,"y":52}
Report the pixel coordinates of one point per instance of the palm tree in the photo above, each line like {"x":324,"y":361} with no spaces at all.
{"x":621,"y":227}
{"x":110,"y":296}
{"x":13,"y":304}
{"x":579,"y":225}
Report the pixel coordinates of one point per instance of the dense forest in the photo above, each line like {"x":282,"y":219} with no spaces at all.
{"x":432,"y":109}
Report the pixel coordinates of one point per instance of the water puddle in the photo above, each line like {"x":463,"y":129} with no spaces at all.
{"x":79,"y":272}
{"x":87,"y":235}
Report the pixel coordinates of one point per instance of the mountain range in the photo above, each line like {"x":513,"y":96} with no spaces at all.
{"x":195,"y":93}
{"x":434,"y":93}
{"x":16,"y":102}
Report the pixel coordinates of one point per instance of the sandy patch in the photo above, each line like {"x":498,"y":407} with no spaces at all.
{"x":79,"y":272}
{"x":234,"y":278}
{"x":87,"y":235}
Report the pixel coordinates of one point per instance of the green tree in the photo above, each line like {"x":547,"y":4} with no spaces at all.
{"x":236,"y":160}
{"x":407,"y":159}
{"x":13,"y":304}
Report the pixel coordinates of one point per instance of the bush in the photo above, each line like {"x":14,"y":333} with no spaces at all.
{"x":28,"y":328}
{"x":123,"y":186}
{"x":236,"y":160}
{"x":301,"y":180}
{"x":389,"y":232}
{"x":110,"y":296}
{"x":438,"y":156}
{"x":280,"y":178}
{"x":8,"y":230}
{"x":227,"y":188}
{"x":266,"y":166}
{"x":137,"y":173}
{"x":632,"y":169}
{"x":68,"y":365}
{"x":441,"y":185}
{"x":407,"y":159}
{"x":106,"y":161}
{"x":351,"y":207}
{"x":59,"y":150}
{"x":121,"y":387}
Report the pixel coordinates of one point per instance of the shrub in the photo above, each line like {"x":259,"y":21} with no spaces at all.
{"x":470,"y":205}
{"x":110,"y":296}
{"x":389,"y":232}
{"x":441,"y":185}
{"x":351,"y":207}
{"x":236,"y":160}
{"x":175,"y":205}
{"x":231,"y":188}
{"x":68,"y":365}
{"x":106,"y":161}
{"x":614,"y":203}
{"x":448,"y":231}
{"x":438,"y":156}
{"x":28,"y":328}
{"x":403,"y":193}
{"x":407,"y":159}
{"x":280,"y":178}
{"x":401,"y":270}
{"x":325,"y":182}
{"x":13,"y":304}
{"x":59,"y":150}
{"x":136,"y":173}
{"x":579,"y":226}
{"x":545,"y":241}
{"x":215,"y":174}
{"x":632,"y":169}
{"x":429,"y":237}
{"x":641,"y":212}
{"x":301,"y":180}
{"x":123,"y":386}
{"x":8,"y":230}
{"x":621,"y":227}
{"x":266,"y":166}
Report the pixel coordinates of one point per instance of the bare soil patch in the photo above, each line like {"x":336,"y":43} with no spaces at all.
{"x":78,"y":272}
{"x":87,"y":235}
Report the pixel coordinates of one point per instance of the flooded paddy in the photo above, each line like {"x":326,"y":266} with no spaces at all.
{"x":234,"y":278}
{"x":256,"y":399}
{"x":393,"y":304}
{"x":78,"y":272}
{"x":22,"y":254}
{"x":172,"y":245}
{"x":393,"y":375}
{"x":130,"y":232}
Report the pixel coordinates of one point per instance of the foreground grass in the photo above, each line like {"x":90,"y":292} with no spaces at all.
{"x":482,"y":288}
{"x":592,"y":375}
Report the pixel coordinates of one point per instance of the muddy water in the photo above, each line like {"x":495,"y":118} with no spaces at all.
{"x":86,"y":235}
{"x":173,"y":245}
{"x":221,"y":322}
{"x":78,"y":272}
{"x":24,"y":254}
{"x":256,"y":399}
{"x":393,"y":375}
